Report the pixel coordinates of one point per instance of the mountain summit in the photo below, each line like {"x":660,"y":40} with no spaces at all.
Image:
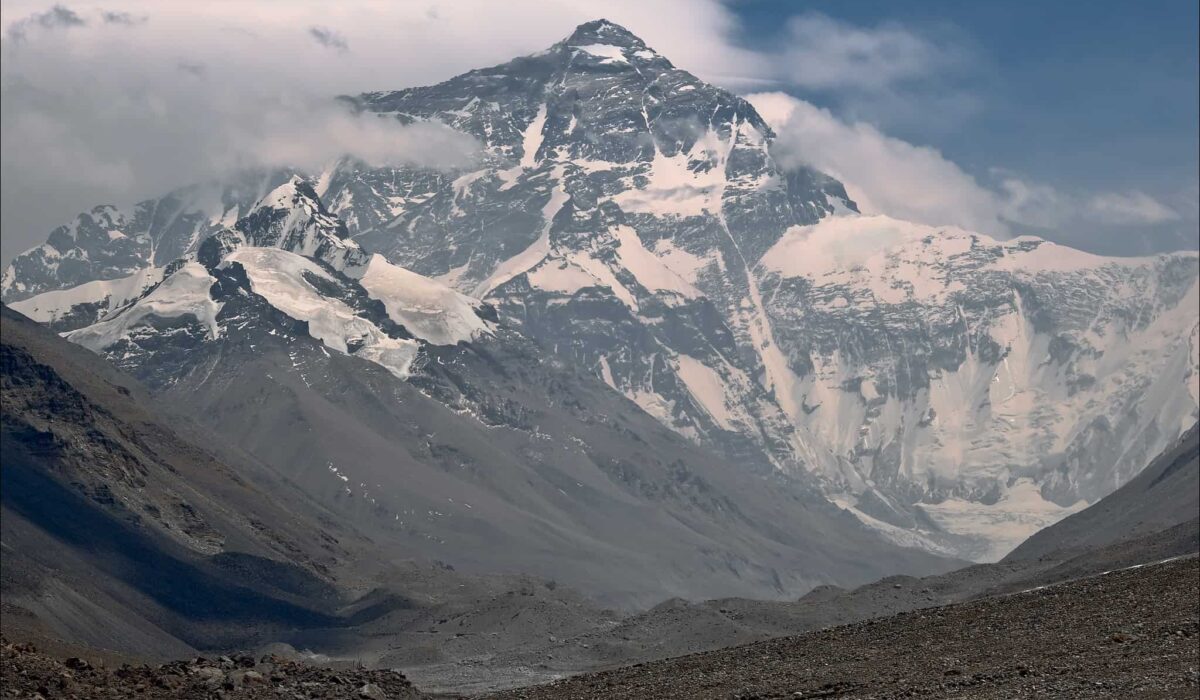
{"x":602,"y":31}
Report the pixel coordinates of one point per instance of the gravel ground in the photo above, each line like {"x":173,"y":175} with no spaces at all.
{"x":30,"y":674}
{"x":1131,"y":633}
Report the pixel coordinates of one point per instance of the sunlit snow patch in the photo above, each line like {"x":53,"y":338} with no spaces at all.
{"x":608,"y":52}
{"x":184,"y":293}
{"x":279,"y":277}
{"x":429,"y":309}
{"x":48,"y":307}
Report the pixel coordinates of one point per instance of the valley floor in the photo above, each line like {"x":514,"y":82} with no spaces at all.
{"x":1129,"y":633}
{"x":1134,"y":632}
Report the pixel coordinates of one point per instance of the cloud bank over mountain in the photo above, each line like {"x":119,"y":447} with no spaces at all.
{"x":117,"y":101}
{"x":887,"y":175}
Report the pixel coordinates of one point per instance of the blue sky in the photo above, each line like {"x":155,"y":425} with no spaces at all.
{"x":1087,"y":96}
{"x":1072,"y":120}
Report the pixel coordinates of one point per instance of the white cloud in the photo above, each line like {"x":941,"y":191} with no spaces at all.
{"x":1130,"y":208}
{"x":886,"y":175}
{"x":825,"y":53}
{"x":115,"y":100}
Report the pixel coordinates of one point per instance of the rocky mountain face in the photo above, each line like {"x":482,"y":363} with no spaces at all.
{"x":425,"y":421}
{"x":952,"y":391}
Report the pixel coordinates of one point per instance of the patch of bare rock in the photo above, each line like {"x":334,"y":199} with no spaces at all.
{"x":36,"y":676}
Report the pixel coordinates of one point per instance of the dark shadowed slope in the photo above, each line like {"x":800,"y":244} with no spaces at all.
{"x":1166,"y":493}
{"x":119,"y":531}
{"x":121,"y":534}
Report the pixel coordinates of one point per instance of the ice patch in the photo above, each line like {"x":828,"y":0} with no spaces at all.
{"x":532,"y":138}
{"x":674,"y":189}
{"x":707,"y":388}
{"x":560,"y":276}
{"x":894,"y":259}
{"x":185,"y":293}
{"x":650,"y":271}
{"x":1019,"y":513}
{"x":428,"y":309}
{"x":535,"y":253}
{"x":684,"y":264}
{"x":50,"y":306}
{"x":610,"y":53}
{"x":1051,"y":257}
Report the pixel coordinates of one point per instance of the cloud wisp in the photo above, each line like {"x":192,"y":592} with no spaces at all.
{"x":329,"y":38}
{"x":826,"y":54}
{"x":57,"y":17}
{"x":886,"y":175}
{"x":104,"y":106}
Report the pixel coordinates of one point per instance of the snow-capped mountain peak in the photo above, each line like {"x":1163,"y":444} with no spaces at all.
{"x":292,"y":217}
{"x":603,"y":31}
{"x":952,"y":391}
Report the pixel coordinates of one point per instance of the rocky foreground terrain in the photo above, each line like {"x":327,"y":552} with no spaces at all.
{"x":1130,"y":633}
{"x":30,"y":674}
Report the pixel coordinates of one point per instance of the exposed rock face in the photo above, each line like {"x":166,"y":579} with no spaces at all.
{"x":956,"y":392}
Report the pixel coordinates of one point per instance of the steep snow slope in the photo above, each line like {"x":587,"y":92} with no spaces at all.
{"x":89,"y":302}
{"x":430,"y":310}
{"x":184,"y":293}
{"x":292,"y":284}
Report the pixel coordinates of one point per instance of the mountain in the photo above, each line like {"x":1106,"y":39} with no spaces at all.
{"x":1166,"y":493}
{"x":952,"y":391}
{"x":132,"y":534}
{"x":124,"y":536}
{"x":121,"y":533}
{"x":422,"y":420}
{"x":107,"y":244}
